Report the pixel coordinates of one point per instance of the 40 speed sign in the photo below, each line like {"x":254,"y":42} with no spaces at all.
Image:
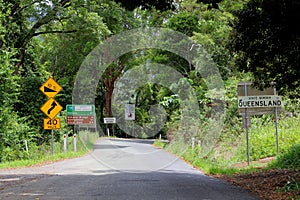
{"x":50,"y":124}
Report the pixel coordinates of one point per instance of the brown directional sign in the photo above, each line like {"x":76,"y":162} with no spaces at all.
{"x":50,"y":88}
{"x":89,"y":119}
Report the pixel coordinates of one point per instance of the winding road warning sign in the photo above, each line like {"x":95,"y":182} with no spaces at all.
{"x":51,"y":108}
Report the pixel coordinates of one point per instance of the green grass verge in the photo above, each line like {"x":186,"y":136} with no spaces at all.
{"x":40,"y":161}
{"x":204,"y":164}
{"x":231,"y":148}
{"x":160,"y":143}
{"x":210,"y":165}
{"x":39,"y":155}
{"x":290,"y":160}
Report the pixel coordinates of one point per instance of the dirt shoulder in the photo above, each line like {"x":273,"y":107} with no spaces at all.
{"x":269,"y":184}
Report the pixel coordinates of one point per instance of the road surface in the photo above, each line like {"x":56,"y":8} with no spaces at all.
{"x":117,"y":169}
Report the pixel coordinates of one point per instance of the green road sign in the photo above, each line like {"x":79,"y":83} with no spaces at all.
{"x":80,"y":109}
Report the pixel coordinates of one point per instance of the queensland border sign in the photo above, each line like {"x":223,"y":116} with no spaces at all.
{"x":259,"y":101}
{"x":252,"y":101}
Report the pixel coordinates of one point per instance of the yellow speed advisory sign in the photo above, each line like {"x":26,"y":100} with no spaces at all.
{"x":50,"y":124}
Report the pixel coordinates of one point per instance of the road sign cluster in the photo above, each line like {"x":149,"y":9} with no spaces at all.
{"x":51,"y":108}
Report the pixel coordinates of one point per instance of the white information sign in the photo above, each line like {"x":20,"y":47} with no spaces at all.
{"x":109,"y":120}
{"x":261,"y":101}
{"x":129,"y":111}
{"x":84,"y":107}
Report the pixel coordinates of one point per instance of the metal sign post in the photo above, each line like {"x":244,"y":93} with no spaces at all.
{"x":247,"y":127}
{"x":52,"y":141}
{"x":276,"y":125}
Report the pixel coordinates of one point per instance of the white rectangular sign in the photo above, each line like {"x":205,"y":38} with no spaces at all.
{"x":129,"y":111}
{"x":109,"y":120}
{"x":83,"y":108}
{"x":261,"y":101}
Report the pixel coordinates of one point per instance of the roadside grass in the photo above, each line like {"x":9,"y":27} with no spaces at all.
{"x":207,"y":164}
{"x":289,"y":160}
{"x":160,"y":143}
{"x":229,"y":156}
{"x":211,"y":166}
{"x":43,"y":160}
{"x":43,"y":154}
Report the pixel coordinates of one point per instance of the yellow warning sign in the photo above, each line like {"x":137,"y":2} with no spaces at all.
{"x":50,"y":124}
{"x":50,"y":88}
{"x":51,"y":108}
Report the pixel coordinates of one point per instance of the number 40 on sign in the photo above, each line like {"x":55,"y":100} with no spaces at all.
{"x":50,"y":124}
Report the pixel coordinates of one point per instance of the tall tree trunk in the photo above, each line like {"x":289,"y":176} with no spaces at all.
{"x":109,"y":88}
{"x":111,"y":75}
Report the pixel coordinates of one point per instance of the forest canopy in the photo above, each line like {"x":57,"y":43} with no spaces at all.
{"x":248,"y":40}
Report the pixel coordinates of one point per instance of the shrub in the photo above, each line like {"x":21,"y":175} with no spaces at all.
{"x":291,"y":159}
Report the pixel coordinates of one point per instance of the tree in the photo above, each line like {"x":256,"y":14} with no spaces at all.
{"x":95,"y":22}
{"x":162,"y":5}
{"x":266,"y":42}
{"x":213,"y":3}
{"x":184,"y":22}
{"x":24,"y":21}
{"x":13,"y":129}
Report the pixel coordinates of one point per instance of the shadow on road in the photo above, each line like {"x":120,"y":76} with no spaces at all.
{"x":141,"y":141}
{"x":118,"y":186}
{"x":108,"y":146}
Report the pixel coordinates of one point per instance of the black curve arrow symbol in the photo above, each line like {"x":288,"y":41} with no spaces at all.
{"x":53,"y":105}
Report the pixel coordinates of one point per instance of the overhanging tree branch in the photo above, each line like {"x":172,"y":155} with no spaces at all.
{"x":51,"y":15}
{"x":50,"y":32}
{"x":25,"y":7}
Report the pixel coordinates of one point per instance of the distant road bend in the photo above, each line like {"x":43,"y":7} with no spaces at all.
{"x":117,"y":169}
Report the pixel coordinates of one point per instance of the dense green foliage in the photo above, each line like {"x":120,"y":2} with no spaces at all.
{"x":40,"y":39}
{"x":266,"y":42}
{"x":288,"y":160}
{"x":231,"y":146}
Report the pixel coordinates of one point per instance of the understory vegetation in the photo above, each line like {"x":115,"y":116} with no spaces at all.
{"x":34,"y":155}
{"x":230,"y":151}
{"x":243,"y":41}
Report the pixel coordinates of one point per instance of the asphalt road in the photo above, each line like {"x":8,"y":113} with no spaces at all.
{"x":117,"y":169}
